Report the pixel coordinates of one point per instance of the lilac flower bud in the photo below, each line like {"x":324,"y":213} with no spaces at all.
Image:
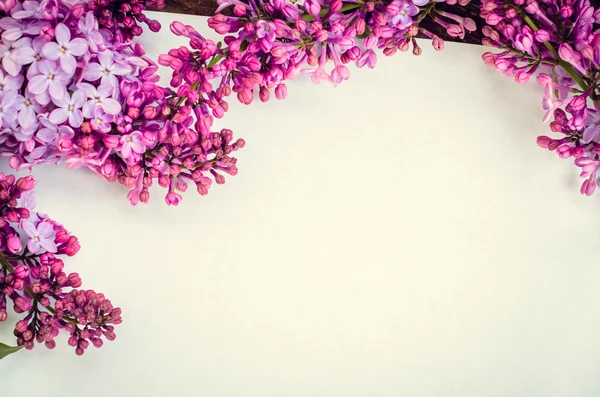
{"x":493,"y":19}
{"x":154,"y":26}
{"x":21,"y":271}
{"x":74,"y":281}
{"x":542,"y":36}
{"x":49,"y":9}
{"x":501,"y":64}
{"x":25,"y":183}
{"x":532,"y":7}
{"x":566,"y":11}
{"x":245,"y":97}
{"x":522,"y":76}
{"x":21,"y":304}
{"x":438,"y":43}
{"x":179,"y":29}
{"x":264,"y":94}
{"x":281,"y":91}
{"x":455,"y":30}
{"x":564,"y":151}
{"x":335,"y":6}
{"x":77,"y":10}
{"x":489,"y":5}
{"x":511,"y":13}
{"x":14,"y":245}
{"x":172,"y":198}
{"x":7,"y":5}
{"x":577,"y":103}
{"x":587,"y":51}
{"x":312,"y":7}
{"x":87,"y":142}
{"x":588,"y":187}
{"x":543,"y":141}
{"x":566,"y":52}
{"x":144,"y":196}
{"x":360,"y":26}
{"x":369,"y":42}
{"x":578,"y":152}
{"x":354,"y":53}
{"x":404,"y":45}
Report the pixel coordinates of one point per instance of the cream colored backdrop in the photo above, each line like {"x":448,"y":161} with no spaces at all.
{"x":400,"y":235}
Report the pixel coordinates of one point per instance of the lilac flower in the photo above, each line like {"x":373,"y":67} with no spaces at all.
{"x":15,"y":54}
{"x":65,"y":49}
{"x":99,"y":97}
{"x":51,"y":133}
{"x":51,"y":79}
{"x":132,"y":142}
{"x":29,"y":9}
{"x":266,"y":30}
{"x":102,"y":121}
{"x":589,"y":169}
{"x":37,"y":44}
{"x":107,"y":70}
{"x":25,"y":134}
{"x":368,"y":58}
{"x":28,"y":110}
{"x":405,"y":14}
{"x":14,"y":29}
{"x":69,"y":107}
{"x":41,"y":237}
{"x":10,"y":83}
{"x":592,"y":130}
{"x":89,"y":27}
{"x":8,"y":113}
{"x":549,"y":102}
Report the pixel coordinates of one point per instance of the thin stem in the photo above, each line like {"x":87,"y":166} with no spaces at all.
{"x":426,"y":12}
{"x":6,"y":265}
{"x":325,"y":10}
{"x":566,"y":66}
{"x":182,"y":99}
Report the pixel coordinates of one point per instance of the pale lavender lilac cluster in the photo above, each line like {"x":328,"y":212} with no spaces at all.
{"x":558,"y":41}
{"x":32,"y":277}
{"x":74,"y":91}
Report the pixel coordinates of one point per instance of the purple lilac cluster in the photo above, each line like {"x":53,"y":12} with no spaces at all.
{"x":558,"y":41}
{"x":71,"y":90}
{"x":269,"y":42}
{"x":33,"y":279}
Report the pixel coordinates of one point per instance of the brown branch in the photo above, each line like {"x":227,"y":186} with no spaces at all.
{"x":208,"y":7}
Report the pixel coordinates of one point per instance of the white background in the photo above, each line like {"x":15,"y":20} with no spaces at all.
{"x":400,"y":235}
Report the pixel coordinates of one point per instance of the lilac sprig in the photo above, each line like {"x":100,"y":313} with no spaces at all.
{"x":32,"y":276}
{"x":268,"y":43}
{"x":558,"y":42}
{"x":74,"y":91}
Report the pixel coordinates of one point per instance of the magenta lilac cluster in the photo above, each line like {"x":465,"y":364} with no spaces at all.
{"x":72,"y":90}
{"x":33,"y":280}
{"x":267,"y":43}
{"x":558,"y":41}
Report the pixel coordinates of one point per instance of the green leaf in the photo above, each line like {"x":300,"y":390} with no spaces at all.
{"x":6,"y":350}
